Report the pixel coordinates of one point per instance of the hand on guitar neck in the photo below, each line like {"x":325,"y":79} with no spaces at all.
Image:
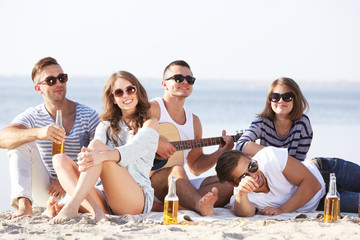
{"x":169,"y":132}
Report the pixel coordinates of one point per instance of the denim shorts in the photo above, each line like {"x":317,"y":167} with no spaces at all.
{"x":149,"y":198}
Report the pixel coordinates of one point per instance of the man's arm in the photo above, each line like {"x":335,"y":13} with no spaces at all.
{"x":199,"y":162}
{"x":307,"y":184}
{"x":243,"y":207}
{"x":165,"y":149}
{"x":17,"y":134}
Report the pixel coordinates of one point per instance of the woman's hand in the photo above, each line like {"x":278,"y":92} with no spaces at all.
{"x":88,"y":158}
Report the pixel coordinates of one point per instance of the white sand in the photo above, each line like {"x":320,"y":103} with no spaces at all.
{"x":148,"y":226}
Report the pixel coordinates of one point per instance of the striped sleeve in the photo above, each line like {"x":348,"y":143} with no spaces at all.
{"x":251,"y":134}
{"x":297,"y":140}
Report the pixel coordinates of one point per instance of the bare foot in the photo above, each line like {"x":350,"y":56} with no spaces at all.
{"x":25,"y":208}
{"x":206,"y":203}
{"x":52,"y":207}
{"x":100,"y":215}
{"x":65,"y":214}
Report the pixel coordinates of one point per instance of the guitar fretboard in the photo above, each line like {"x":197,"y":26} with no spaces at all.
{"x":196,"y":143}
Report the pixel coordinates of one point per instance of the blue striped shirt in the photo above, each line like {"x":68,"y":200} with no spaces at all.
{"x":82,"y":132}
{"x":297,"y":140}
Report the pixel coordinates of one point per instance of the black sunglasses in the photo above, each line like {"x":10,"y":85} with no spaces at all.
{"x":287,"y":97}
{"x":130,"y":90}
{"x":51,"y":80}
{"x":252,"y":168}
{"x":180,"y":78}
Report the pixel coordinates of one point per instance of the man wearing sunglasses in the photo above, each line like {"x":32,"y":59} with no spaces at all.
{"x":200,"y":195}
{"x":273,"y":182}
{"x":29,"y":138}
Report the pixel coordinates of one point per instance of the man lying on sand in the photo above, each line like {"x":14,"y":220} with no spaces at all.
{"x":272,"y":182}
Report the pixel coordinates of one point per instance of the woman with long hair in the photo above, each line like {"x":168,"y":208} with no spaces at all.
{"x":121,"y":154}
{"x":282,"y":123}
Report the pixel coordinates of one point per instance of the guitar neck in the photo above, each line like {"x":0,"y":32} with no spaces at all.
{"x":196,"y":143}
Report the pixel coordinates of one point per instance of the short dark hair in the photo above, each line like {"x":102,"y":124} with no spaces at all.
{"x":41,"y":64}
{"x":226,"y":163}
{"x":176,"y":63}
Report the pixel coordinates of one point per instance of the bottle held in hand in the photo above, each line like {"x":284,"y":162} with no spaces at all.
{"x":58,"y":148}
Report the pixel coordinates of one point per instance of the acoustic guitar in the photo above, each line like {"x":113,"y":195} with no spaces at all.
{"x":170,"y":133}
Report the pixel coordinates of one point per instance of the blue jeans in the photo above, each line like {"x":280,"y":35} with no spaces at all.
{"x":347,"y":181}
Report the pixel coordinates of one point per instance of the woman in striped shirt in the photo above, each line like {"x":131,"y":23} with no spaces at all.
{"x":282,"y":123}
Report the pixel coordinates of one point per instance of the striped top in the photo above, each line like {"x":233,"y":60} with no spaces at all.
{"x":297,"y":140}
{"x":82,"y":132}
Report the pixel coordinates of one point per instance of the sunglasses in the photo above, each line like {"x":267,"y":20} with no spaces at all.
{"x":180,"y":78}
{"x":252,"y":168}
{"x":287,"y":97}
{"x":51,"y":80}
{"x":130,"y":90}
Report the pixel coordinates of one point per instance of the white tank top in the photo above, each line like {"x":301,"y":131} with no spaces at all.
{"x":186,"y":131}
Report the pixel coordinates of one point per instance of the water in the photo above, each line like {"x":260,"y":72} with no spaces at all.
{"x":229,"y":105}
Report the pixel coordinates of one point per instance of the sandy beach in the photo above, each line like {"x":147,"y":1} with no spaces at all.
{"x":223,"y":225}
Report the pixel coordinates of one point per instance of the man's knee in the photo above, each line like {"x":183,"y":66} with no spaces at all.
{"x":22,"y":151}
{"x":178,"y":171}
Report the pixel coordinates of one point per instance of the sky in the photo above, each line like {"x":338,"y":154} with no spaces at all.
{"x":307,"y":40}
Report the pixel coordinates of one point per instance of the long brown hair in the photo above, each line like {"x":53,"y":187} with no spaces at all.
{"x":113,"y":113}
{"x":300,"y":105}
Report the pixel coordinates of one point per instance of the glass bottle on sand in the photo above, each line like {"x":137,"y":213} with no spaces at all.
{"x":58,"y":148}
{"x":332,"y":202}
{"x":171,"y":204}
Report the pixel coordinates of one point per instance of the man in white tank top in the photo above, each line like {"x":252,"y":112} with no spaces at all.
{"x":178,"y":85}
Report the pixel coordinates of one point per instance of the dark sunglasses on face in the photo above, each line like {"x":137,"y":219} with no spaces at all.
{"x":252,"y":168}
{"x":130,"y":90}
{"x":287,"y":97}
{"x":180,"y":78}
{"x":51,"y":80}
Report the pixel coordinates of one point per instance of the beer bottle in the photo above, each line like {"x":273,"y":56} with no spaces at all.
{"x":58,"y":148}
{"x":171,"y":204}
{"x":332,"y":202}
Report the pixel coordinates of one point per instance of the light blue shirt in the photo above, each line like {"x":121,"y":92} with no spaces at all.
{"x":82,"y":132}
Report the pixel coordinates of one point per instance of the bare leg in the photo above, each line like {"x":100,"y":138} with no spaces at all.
{"x":125,"y":196}
{"x":80,"y":187}
{"x":25,"y":208}
{"x":85,"y":184}
{"x":68,"y":175}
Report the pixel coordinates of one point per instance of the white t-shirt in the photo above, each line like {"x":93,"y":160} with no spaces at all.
{"x":272,"y":162}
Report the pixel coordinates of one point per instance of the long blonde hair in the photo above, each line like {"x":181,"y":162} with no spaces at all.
{"x":113,"y":113}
